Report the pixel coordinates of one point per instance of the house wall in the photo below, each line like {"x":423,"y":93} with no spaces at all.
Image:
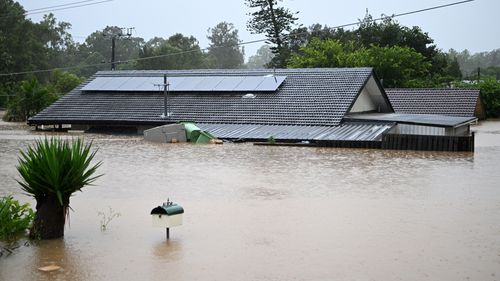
{"x":479,"y":111}
{"x":364,"y":103}
{"x":406,"y":129}
{"x":459,"y":131}
{"x":370,"y":99}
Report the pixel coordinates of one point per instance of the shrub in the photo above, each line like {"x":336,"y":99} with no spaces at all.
{"x":51,"y":171}
{"x":15,"y":218}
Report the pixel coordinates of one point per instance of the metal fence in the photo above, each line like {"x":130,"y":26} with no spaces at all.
{"x":427,"y":142}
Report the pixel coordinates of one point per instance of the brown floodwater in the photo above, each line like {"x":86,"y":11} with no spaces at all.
{"x":272,"y":213}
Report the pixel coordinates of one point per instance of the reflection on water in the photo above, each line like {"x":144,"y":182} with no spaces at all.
{"x":168,"y":251}
{"x":273,"y":213}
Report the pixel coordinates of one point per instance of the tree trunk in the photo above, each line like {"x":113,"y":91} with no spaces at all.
{"x":50,"y":218}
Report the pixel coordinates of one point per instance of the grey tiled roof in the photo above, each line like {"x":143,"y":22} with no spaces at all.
{"x":346,"y":131}
{"x":451,"y":102}
{"x":315,"y":97}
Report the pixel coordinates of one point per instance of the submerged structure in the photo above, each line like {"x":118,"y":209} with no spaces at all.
{"x":341,"y":107}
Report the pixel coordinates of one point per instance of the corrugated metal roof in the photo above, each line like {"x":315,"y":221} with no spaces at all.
{"x":419,"y":119}
{"x":451,"y":102}
{"x":346,"y":131}
{"x":315,"y":97}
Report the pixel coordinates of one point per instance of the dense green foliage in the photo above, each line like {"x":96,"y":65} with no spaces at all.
{"x":490,"y":94}
{"x":56,"y":167}
{"x":30,"y":98}
{"x":96,"y":51}
{"x":51,"y":171}
{"x":176,"y":52}
{"x":275,"y":22}
{"x":26,"y":46}
{"x":61,"y":82}
{"x":20,"y":41}
{"x":15,"y":218}
{"x":394,"y":43}
{"x":224,"y":47}
{"x":396,"y":66}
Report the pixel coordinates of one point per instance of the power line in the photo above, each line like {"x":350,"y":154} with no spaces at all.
{"x":407,"y":13}
{"x":49,"y":9}
{"x":66,"y":8}
{"x":57,"y":6}
{"x":239,"y":44}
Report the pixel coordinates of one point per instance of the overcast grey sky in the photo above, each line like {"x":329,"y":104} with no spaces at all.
{"x":474,"y":26}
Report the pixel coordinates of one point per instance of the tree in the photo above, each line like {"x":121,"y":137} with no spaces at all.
{"x":26,"y":46}
{"x":176,"y":52}
{"x":453,"y":69}
{"x":61,"y":82}
{"x":275,"y":22}
{"x":20,"y":49}
{"x":490,"y":94}
{"x":396,"y":66}
{"x":469,"y":63}
{"x":97,"y":49}
{"x":224,"y":46}
{"x":320,"y":53}
{"x":390,"y":33}
{"x":261,"y":58}
{"x":60,"y":46}
{"x":30,"y":99}
{"x":51,"y":171}
{"x":386,"y":33}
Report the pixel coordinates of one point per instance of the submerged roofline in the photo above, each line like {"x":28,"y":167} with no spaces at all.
{"x":388,"y":117}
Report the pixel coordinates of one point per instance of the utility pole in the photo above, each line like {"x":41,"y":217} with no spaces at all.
{"x":113,"y":42}
{"x":165,"y":96}
{"x":113,"y":39}
{"x":165,"y":86}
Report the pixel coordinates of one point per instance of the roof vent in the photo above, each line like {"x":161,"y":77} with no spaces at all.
{"x":248,"y":96}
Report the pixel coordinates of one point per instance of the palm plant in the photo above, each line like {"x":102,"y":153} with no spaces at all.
{"x":51,"y":171}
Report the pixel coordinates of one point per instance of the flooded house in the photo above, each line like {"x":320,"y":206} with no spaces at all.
{"x":338,"y":107}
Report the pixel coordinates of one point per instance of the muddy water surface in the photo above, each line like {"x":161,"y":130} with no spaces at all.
{"x":273,"y":213}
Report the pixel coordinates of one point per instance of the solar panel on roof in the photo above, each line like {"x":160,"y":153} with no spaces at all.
{"x":114,"y":83}
{"x":173,"y":82}
{"x":97,"y":83}
{"x":135,"y":84}
{"x":228,"y":84}
{"x":186,"y":84}
{"x":249,"y":83}
{"x":148,"y":83}
{"x":270,"y":83}
{"x":209,"y":83}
